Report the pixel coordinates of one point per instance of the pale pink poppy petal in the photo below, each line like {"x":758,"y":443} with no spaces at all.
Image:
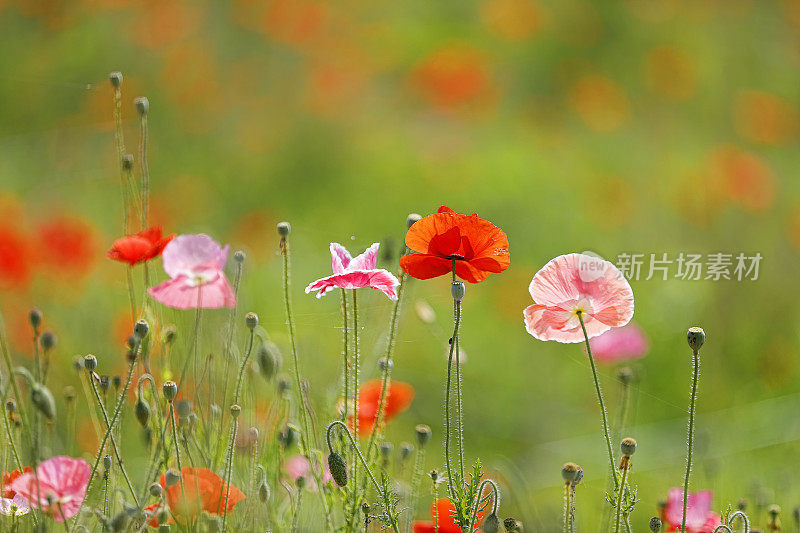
{"x":620,"y":344}
{"x":367,"y":260}
{"x":340,"y":258}
{"x":554,"y":324}
{"x":384,"y":281}
{"x":185,"y":252}
{"x":381,"y":280}
{"x":698,"y":509}
{"x":298,"y":466}
{"x":180,"y":293}
{"x":62,"y":479}
{"x":18,"y":506}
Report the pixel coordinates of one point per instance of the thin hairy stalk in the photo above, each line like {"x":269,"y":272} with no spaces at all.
{"x":567,"y":506}
{"x":145,"y":169}
{"x":416,"y":481}
{"x":304,"y":415}
{"x":356,"y":365}
{"x":296,"y":516}
{"x":229,"y":470}
{"x":105,"y":496}
{"x":120,"y":144}
{"x":744,"y":519}
{"x":620,"y":494}
{"x":606,"y":433}
{"x":237,"y":280}
{"x":177,"y":446}
{"x":495,"y":502}
{"x":722,"y":527}
{"x":11,"y":372}
{"x":459,"y":410}
{"x":109,"y":433}
{"x":346,"y":357}
{"x":690,"y":436}
{"x":457,"y":320}
{"x":242,"y":367}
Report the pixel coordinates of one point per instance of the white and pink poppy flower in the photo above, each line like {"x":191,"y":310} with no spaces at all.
{"x":699,"y":517}
{"x":62,"y":486}
{"x":572,"y":285}
{"x":356,"y":273}
{"x":196,"y":267}
{"x":16,"y":506}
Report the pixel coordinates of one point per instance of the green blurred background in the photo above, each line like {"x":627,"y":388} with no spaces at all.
{"x":661,"y":126}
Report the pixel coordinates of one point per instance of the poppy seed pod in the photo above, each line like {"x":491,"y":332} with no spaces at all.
{"x":106,"y":462}
{"x":43,"y":400}
{"x":457,"y":290}
{"x":263,"y":492}
{"x":338,"y":468}
{"x":269,"y":359}
{"x":628,"y":446}
{"x":48,"y":340}
{"x":235,"y":411}
{"x":511,"y":524}
{"x":655,"y":524}
{"x":90,"y":362}
{"x":142,"y":105}
{"x":569,"y":472}
{"x":116,"y":79}
{"x":491,"y":524}
{"x":406,"y":449}
{"x":251,"y":321}
{"x":696,"y":337}
{"x":578,"y":478}
{"x":127,"y":162}
{"x":172,"y":477}
{"x":170,"y":390}
{"x":156,"y":490}
{"x":239,"y":256}
{"x":423,"y":433}
{"x":35,"y":318}
{"x":140,"y":329}
{"x":117,"y":382}
{"x":142,"y":412}
{"x":283,"y":229}
{"x":412,"y":219}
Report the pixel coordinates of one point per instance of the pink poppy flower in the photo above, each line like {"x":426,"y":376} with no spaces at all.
{"x":16,"y":506}
{"x":572,"y":283}
{"x":356,"y":273}
{"x":196,"y":267}
{"x":62,"y":481}
{"x":298,"y":466}
{"x":620,"y":344}
{"x":699,"y":518}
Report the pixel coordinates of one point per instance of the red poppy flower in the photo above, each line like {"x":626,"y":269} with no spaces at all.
{"x":205,"y":491}
{"x":67,"y":244}
{"x":139,"y":247}
{"x":16,"y":259}
{"x":398,"y":398}
{"x":445,"y":518}
{"x":477,"y":247}
{"x":8,"y":477}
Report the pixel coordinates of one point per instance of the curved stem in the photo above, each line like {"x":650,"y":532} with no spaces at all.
{"x":495,"y":500}
{"x":606,"y":434}
{"x":722,"y":527}
{"x":355,"y":447}
{"x":745,"y":520}
{"x":456,"y":322}
{"x":690,"y":438}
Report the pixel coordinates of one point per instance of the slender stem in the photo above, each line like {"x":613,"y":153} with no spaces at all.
{"x":456,"y":322}
{"x":120,"y":144}
{"x":177,"y":449}
{"x":690,"y":437}
{"x":620,"y":494}
{"x":356,"y":365}
{"x":242,"y":367}
{"x":229,"y":469}
{"x":567,"y":505}
{"x":131,"y":295}
{"x":304,"y":434}
{"x":237,"y":279}
{"x":145,"y":170}
{"x":495,"y":501}
{"x":416,"y":480}
{"x":611,"y":461}
{"x":297,"y":509}
{"x":459,"y":409}
{"x":346,"y":357}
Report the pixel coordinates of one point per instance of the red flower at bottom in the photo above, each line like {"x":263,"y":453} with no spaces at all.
{"x":205,"y":491}
{"x":445,"y":513}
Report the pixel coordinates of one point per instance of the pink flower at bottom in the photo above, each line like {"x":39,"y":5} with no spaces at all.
{"x":196,"y":267}
{"x":356,"y":273}
{"x":620,"y":344}
{"x":298,"y":466}
{"x":62,"y":481}
{"x":699,"y":518}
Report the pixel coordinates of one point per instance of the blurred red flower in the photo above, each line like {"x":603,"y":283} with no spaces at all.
{"x":205,"y":491}
{"x":16,"y":259}
{"x":454,"y":77}
{"x":398,"y":398}
{"x":445,"y":518}
{"x":67,"y":244}
{"x":9,"y":477}
{"x":139,"y":247}
{"x":476,"y":246}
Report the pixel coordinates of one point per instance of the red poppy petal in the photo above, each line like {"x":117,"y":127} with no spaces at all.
{"x":424,"y":266}
{"x":131,"y":250}
{"x":466,"y":271}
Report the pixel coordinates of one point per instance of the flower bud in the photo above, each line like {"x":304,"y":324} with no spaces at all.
{"x":156,"y":490}
{"x":263,"y":492}
{"x":116,"y":79}
{"x":140,"y":329}
{"x":300,"y":482}
{"x":183,"y":408}
{"x":168,"y":334}
{"x":170,"y":390}
{"x":386,"y":449}
{"x":423,"y":433}
{"x":239,"y":256}
{"x":774,"y":511}
{"x":48,"y":340}
{"x":457,"y":289}
{"x":43,"y":400}
{"x":106,"y":462}
{"x":127,"y":162}
{"x":142,"y":105}
{"x":251,"y":321}
{"x":338,"y":468}
{"x":628,"y":446}
{"x":365,"y":507}
{"x":655,"y":524}
{"x":491,"y":524}
{"x":406,"y":449}
{"x":288,"y":436}
{"x":11,"y":406}
{"x":105,"y":384}
{"x":235,"y":411}
{"x":269,"y":359}
{"x":90,"y":362}
{"x":625,"y":375}
{"x":283,"y":229}
{"x":696,"y":337}
{"x":35,"y":318}
{"x":142,"y":411}
{"x":172,"y":477}
{"x":117,"y":382}
{"x":383,"y":362}
{"x":412,"y":219}
{"x":569,"y":472}
{"x":253,"y":434}
{"x":512,"y":525}
{"x":119,"y":522}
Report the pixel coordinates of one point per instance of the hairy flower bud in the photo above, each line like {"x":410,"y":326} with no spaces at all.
{"x":48,"y":340}
{"x":263,"y":492}
{"x":491,"y":524}
{"x":696,"y":337}
{"x":251,"y":321}
{"x":43,"y":400}
{"x":269,"y":359}
{"x":142,"y":411}
{"x":117,"y":382}
{"x":172,"y":477}
{"x":412,"y":219}
{"x":655,"y":524}
{"x":406,"y":449}
{"x":239,"y":256}
{"x":156,"y":490}
{"x":170,"y":390}
{"x":235,"y":411}
{"x":283,"y":229}
{"x":116,"y":79}
{"x":386,"y":449}
{"x":338,"y":468}
{"x":35,"y":318}
{"x":423,"y":433}
{"x":512,"y":525}
{"x":142,"y":105}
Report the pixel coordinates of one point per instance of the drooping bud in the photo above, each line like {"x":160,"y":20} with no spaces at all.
{"x":35,"y":318}
{"x":569,"y":471}
{"x":269,"y":359}
{"x":142,"y":105}
{"x":412,"y":219}
{"x":116,"y":79}
{"x":491,"y":524}
{"x":457,"y":290}
{"x":655,"y":524}
{"x":283,"y":229}
{"x":423,"y":433}
{"x":251,"y":321}
{"x":696,"y":337}
{"x":263,"y":492}
{"x":338,"y":468}
{"x":170,"y":389}
{"x":43,"y":400}
{"x":142,"y":412}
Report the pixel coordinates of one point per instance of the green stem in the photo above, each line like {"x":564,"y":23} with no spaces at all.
{"x":356,"y":365}
{"x":453,"y":494}
{"x":242,"y":367}
{"x":620,"y":494}
{"x":120,"y":143}
{"x":145,"y":171}
{"x":567,"y":506}
{"x":690,"y":437}
{"x":229,"y":468}
{"x":346,"y":357}
{"x":177,"y":445}
{"x":416,"y":480}
{"x":606,"y":433}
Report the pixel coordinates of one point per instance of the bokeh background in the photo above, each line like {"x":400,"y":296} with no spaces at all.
{"x":660,"y":126}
